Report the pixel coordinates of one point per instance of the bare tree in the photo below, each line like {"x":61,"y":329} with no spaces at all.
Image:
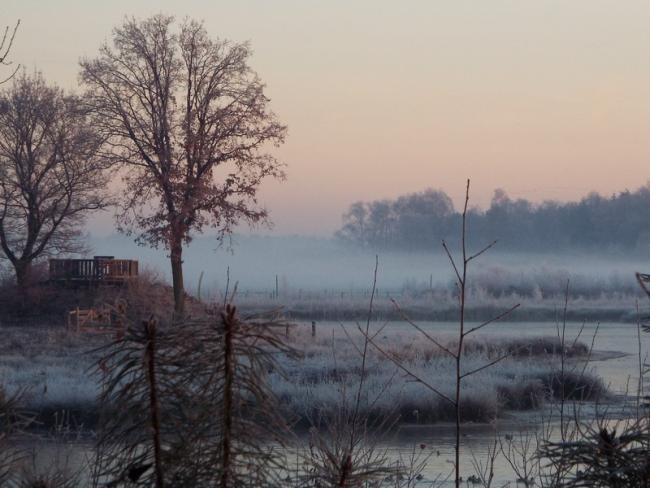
{"x":189,"y":119}
{"x":455,"y":352}
{"x":6,"y":43}
{"x":50,"y":174}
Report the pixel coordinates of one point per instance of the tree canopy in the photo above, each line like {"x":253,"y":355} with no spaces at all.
{"x":419,"y":221}
{"x":51,"y":174}
{"x":188,"y":119}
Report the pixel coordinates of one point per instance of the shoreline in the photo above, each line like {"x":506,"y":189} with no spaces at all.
{"x":523,"y":314}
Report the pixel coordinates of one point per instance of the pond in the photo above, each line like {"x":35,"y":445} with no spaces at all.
{"x":435,"y":443}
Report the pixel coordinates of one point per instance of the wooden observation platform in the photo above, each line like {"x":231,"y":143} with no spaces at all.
{"x":100,"y":270}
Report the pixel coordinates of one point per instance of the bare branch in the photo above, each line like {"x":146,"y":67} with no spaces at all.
{"x":352,"y":343}
{"x":421,"y":330}
{"x":453,"y":263}
{"x":485,"y":366}
{"x":643,"y":279}
{"x":492,"y":320}
{"x":486,"y":248}
{"x":6,"y":43}
{"x":466,"y":198}
{"x":408,"y":372}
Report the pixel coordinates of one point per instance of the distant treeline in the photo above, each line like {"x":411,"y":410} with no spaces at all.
{"x":421,"y":220}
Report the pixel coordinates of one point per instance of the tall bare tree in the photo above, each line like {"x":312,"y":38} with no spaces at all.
{"x":6,"y":43}
{"x":188,"y":118}
{"x":50,"y":172}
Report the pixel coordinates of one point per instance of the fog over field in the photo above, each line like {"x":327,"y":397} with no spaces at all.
{"x":318,"y":264}
{"x":366,"y":244}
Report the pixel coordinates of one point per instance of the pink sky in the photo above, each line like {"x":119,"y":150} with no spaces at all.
{"x":547,"y":99}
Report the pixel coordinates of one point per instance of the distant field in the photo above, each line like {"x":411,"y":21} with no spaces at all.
{"x":323,"y":279}
{"x":440,"y":305}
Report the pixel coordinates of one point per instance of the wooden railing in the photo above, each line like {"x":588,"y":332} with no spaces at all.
{"x":93,"y":270}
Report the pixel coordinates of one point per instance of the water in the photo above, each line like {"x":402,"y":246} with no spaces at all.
{"x":436,"y":443}
{"x":615,"y":345}
{"x":615,"y":358}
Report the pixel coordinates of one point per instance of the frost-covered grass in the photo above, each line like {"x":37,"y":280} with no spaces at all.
{"x":53,"y":367}
{"x":328,"y":375}
{"x":441,"y":304}
{"x":50,"y":366}
{"x":540,"y":290}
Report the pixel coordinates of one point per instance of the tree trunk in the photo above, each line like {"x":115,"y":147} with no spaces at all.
{"x":176,"y":256}
{"x":23,"y":277}
{"x":228,"y":319}
{"x":154,"y":407}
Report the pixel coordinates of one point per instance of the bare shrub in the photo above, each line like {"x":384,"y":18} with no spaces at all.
{"x":603,"y":452}
{"x":344,"y":454}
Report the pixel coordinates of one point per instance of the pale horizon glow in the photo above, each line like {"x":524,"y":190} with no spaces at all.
{"x":547,"y":100}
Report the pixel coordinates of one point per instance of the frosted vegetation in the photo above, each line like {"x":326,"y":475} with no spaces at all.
{"x":328,"y":373}
{"x":52,"y":369}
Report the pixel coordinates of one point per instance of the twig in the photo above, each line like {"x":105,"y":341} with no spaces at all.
{"x":492,"y":320}
{"x":485,"y":366}
{"x":485,"y":249}
{"x":451,"y":260}
{"x":422,"y":331}
{"x":409,"y":373}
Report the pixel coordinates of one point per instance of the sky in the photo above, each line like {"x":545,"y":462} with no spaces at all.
{"x":546,"y":99}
